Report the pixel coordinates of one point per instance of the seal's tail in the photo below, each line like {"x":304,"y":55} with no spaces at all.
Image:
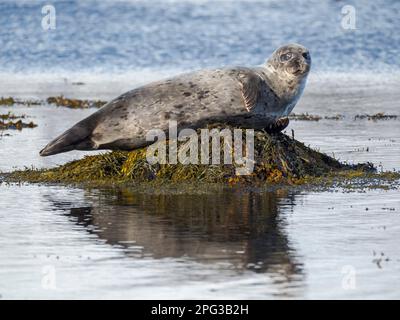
{"x":76,"y":138}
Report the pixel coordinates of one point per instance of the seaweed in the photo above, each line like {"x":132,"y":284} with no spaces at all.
{"x":7,"y":101}
{"x":10,"y":101}
{"x":61,"y":101}
{"x":278,"y":158}
{"x":375,"y":117}
{"x":313,"y":117}
{"x":304,"y":117}
{"x":6,"y":122}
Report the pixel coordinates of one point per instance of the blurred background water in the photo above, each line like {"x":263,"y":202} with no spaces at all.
{"x":130,"y":35}
{"x":224,"y":243}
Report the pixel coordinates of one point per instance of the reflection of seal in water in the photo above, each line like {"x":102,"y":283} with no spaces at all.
{"x":240,"y":228}
{"x":259,"y":97}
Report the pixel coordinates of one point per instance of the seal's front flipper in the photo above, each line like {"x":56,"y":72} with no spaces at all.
{"x":278,"y":125}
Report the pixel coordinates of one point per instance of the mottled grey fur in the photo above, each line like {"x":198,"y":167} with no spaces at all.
{"x":248,"y":97}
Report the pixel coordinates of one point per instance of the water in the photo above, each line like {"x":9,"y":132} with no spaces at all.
{"x":117,"y":243}
{"x":115,"y":36}
{"x":64,"y":242}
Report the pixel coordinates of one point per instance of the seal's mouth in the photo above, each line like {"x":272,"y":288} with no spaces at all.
{"x":299,"y":69}
{"x":302,"y":70}
{"x":301,"y":65}
{"x":298,"y":72}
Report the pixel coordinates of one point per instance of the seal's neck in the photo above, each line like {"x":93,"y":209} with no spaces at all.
{"x":286,"y":86}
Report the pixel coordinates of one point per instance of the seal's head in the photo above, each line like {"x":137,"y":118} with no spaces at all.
{"x":292,"y":60}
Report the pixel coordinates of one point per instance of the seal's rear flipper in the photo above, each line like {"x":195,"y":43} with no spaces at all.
{"x":76,"y":138}
{"x":278,"y":126}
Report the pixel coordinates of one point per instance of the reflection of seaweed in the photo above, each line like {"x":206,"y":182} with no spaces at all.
{"x":228,"y":226}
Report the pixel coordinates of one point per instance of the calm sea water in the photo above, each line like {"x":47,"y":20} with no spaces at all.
{"x":132,"y":35}
{"x":62,"y":242}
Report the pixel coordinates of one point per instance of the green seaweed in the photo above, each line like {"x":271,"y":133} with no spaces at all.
{"x":279,"y":159}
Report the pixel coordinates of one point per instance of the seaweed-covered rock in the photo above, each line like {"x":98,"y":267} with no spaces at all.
{"x":277,"y":159}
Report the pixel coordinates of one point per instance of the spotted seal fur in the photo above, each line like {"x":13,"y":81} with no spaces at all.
{"x":251,"y":97}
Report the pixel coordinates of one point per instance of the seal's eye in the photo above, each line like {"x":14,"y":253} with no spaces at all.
{"x":286,"y":57}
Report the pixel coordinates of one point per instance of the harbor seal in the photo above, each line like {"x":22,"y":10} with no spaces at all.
{"x":259,"y":97}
